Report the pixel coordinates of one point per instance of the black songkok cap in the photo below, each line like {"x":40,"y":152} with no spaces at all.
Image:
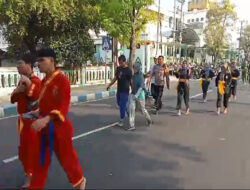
{"x":47,"y":52}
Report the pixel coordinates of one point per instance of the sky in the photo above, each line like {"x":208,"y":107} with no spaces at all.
{"x":242,"y":7}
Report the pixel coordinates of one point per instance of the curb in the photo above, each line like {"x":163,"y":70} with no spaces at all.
{"x":11,"y":109}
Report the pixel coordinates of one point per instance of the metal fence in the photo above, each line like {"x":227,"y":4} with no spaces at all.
{"x":90,"y":75}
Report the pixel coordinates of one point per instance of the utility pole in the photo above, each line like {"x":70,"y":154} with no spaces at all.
{"x":180,"y":37}
{"x":241,"y":28}
{"x":174,"y":28}
{"x":161,"y":37}
{"x":158,"y":28}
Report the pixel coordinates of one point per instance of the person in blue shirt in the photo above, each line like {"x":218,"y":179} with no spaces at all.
{"x":207,"y":75}
{"x":137,"y":96}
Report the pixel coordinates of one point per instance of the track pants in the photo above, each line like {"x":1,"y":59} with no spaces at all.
{"x":65,"y":153}
{"x":132,"y":108}
{"x":122,"y":101}
{"x":28,"y":148}
{"x":225,"y":97}
{"x":158,"y":95}
{"x":233,"y":88}
{"x":205,"y":85}
{"x":182,"y":91}
{"x":153,"y":90}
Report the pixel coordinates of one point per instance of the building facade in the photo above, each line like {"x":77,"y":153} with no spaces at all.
{"x":197,"y":20}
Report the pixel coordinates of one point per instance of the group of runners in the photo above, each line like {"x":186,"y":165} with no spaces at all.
{"x":159,"y":77}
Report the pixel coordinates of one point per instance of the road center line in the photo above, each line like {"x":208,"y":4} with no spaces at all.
{"x":197,"y":95}
{"x":14,"y":158}
{"x":6,"y":161}
{"x":94,"y":131}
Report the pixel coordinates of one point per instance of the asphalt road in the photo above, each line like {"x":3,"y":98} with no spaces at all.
{"x":201,"y":150}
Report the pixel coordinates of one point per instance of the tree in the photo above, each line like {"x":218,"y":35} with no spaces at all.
{"x":125,"y":20}
{"x":220,"y":17}
{"x":245,"y":41}
{"x":63,"y":24}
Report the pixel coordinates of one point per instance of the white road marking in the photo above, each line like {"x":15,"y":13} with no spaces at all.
{"x":197,"y":95}
{"x":14,"y":158}
{"x":94,"y":131}
{"x":222,"y":139}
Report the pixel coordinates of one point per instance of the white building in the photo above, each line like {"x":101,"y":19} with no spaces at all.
{"x":197,"y":20}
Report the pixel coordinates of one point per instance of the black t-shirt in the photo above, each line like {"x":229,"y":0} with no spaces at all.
{"x":124,"y":76}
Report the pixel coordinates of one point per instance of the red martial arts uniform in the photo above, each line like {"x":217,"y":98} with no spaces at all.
{"x":28,"y":148}
{"x":54,"y":101}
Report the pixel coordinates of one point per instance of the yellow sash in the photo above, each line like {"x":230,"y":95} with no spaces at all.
{"x":221,"y":87}
{"x":200,"y":82}
{"x":203,"y":79}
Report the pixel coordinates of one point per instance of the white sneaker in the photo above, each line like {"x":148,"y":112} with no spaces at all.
{"x":179,"y":113}
{"x":131,"y":128}
{"x":218,"y":111}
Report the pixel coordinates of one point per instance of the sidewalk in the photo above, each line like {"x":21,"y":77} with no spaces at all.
{"x":75,"y":91}
{"x":78,"y":94}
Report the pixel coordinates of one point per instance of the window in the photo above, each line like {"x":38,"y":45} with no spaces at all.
{"x":188,"y":20}
{"x":202,"y":19}
{"x":192,"y":20}
{"x":197,"y":19}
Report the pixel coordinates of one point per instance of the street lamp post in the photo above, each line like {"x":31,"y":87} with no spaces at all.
{"x":181,"y":21}
{"x":240,"y":39}
{"x":158,"y":27}
{"x":174,"y":28}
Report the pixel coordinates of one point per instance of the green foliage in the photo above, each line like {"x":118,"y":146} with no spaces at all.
{"x":126,"y":19}
{"x":245,"y":40}
{"x":32,"y":23}
{"x":220,"y":17}
{"x":119,"y":18}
